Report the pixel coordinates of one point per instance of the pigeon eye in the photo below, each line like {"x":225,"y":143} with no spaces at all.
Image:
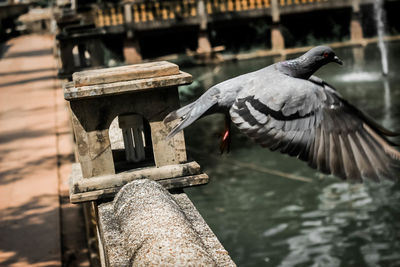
{"x":326,"y":54}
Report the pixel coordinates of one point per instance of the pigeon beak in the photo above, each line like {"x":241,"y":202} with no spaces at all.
{"x":337,"y":60}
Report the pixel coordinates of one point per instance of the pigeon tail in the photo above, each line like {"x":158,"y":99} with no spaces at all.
{"x":186,"y":120}
{"x":190,"y":113}
{"x":178,"y":113}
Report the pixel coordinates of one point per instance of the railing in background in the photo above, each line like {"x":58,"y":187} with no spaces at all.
{"x":147,"y":11}
{"x":109,"y":17}
{"x":222,"y":6}
{"x":169,"y":10}
{"x":299,"y":2}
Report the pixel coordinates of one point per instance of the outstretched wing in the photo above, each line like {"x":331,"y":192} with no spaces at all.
{"x":311,"y":121}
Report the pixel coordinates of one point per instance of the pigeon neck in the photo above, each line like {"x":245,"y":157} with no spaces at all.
{"x":298,"y":68}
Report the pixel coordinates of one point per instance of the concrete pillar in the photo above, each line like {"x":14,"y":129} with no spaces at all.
{"x":131,"y":45}
{"x":67,"y":58}
{"x":82,"y":58}
{"x":356,"y":33}
{"x":275,"y":11}
{"x":356,"y":6}
{"x":132,"y":51}
{"x":202,"y":13}
{"x":73,"y":4}
{"x":356,"y":30}
{"x":96,"y":51}
{"x":277,"y":40}
{"x":128,"y":13}
{"x":204,"y":45}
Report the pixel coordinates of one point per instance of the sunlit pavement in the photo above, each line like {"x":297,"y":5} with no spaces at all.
{"x":35,"y":155}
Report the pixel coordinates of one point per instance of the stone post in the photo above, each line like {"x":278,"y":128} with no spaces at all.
{"x":146,"y":91}
{"x":132,"y":53}
{"x":277,"y":40}
{"x":96,"y":51}
{"x":356,"y":31}
{"x":204,"y":45}
{"x":82,"y":58}
{"x":66,"y":56}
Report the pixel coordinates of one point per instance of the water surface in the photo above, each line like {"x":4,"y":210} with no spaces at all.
{"x":268,"y":209}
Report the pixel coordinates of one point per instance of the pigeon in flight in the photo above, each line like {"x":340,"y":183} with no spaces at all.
{"x":284,"y":107}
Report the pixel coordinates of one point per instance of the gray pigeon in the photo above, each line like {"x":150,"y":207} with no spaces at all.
{"x":283,"y":107}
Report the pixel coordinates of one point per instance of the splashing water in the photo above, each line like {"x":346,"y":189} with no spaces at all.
{"x":356,"y":77}
{"x":379,"y":18}
{"x":387,"y":102}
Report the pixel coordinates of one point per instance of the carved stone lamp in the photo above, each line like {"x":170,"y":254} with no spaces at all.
{"x":141,"y":96}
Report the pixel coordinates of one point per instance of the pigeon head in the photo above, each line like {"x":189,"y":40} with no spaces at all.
{"x":321,"y":55}
{"x":305,"y":66}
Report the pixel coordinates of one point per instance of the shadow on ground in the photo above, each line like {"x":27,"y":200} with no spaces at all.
{"x":3,"y":49}
{"x":34,"y":221}
{"x":33,"y":217}
{"x":36,"y":79}
{"x":32,"y":53}
{"x":23,"y":72}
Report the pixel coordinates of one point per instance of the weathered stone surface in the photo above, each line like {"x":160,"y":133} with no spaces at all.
{"x":147,"y":226}
{"x":172,"y":151}
{"x":171,"y":183}
{"x":73,"y":93}
{"x":106,"y":186}
{"x":107,"y":181}
{"x":209,"y":239}
{"x":125,"y":73}
{"x":93,"y":147}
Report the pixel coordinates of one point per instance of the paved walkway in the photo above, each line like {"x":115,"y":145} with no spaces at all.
{"x":35,"y":156}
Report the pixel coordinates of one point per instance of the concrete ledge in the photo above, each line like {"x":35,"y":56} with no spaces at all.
{"x":74,"y":93}
{"x":147,"y":226}
{"x":124,"y":73}
{"x":105,"y":186}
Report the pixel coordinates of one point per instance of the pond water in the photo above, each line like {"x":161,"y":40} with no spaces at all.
{"x":268,"y":209}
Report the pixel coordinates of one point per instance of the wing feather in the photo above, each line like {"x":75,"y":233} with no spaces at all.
{"x":350,"y":168}
{"x":362,"y":160}
{"x":336,"y":160}
{"x":314,"y":123}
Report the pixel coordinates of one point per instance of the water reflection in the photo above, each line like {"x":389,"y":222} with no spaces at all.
{"x":321,"y":233}
{"x":264,"y":220}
